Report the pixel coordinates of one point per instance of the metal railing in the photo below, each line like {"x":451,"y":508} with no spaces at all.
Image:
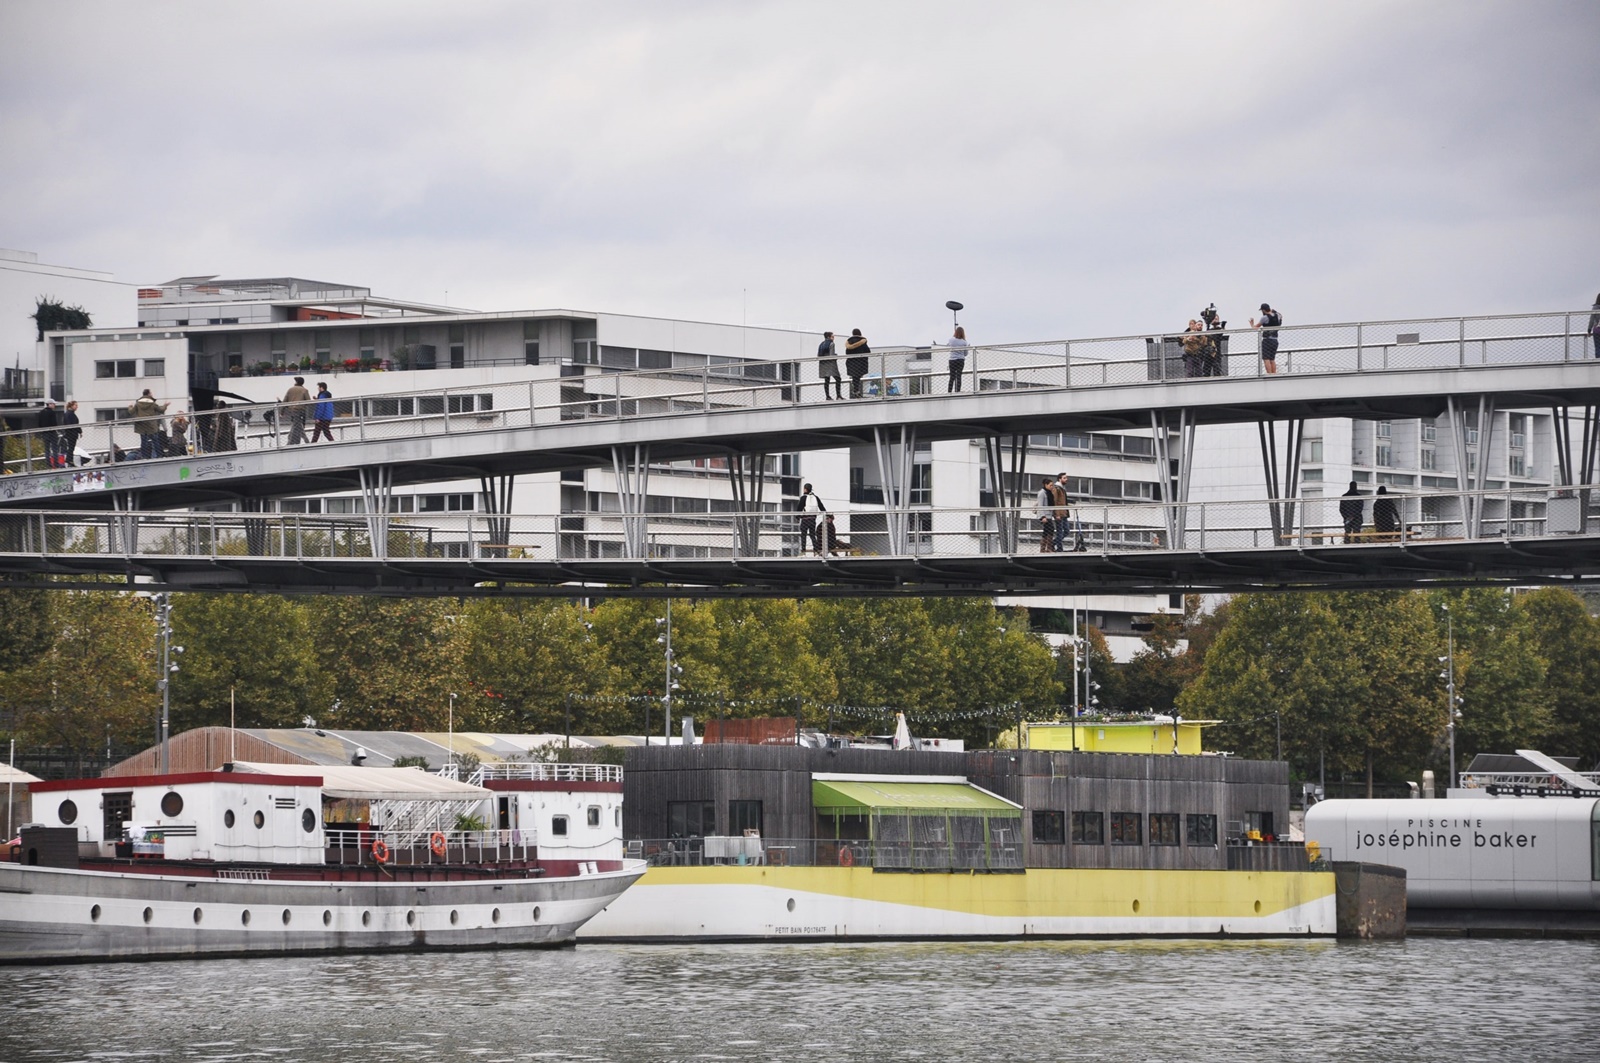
{"x":827,"y":852}
{"x":1109,"y":529}
{"x":548,"y":772}
{"x":897,"y":373}
{"x":1524,"y":780}
{"x":420,"y":847}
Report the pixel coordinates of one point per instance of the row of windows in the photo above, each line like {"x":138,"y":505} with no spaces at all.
{"x":1096,"y":443}
{"x":697,"y":819}
{"x":129,"y":367}
{"x":1126,"y":828}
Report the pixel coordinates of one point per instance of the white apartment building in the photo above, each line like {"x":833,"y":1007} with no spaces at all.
{"x":201,"y":338}
{"x":24,"y":281}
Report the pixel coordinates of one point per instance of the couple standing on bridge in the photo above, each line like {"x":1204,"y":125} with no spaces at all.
{"x":855,"y":363}
{"x":1054,"y":506}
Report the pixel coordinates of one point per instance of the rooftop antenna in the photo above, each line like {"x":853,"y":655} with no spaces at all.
{"x":954,"y":308}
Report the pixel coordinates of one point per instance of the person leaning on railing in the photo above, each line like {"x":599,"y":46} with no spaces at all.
{"x":1594,"y":326}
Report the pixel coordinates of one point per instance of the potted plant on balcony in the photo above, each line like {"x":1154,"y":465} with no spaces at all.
{"x":352,"y":365}
{"x":402,"y":357}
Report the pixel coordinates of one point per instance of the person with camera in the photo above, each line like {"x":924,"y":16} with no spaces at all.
{"x":1269,"y":324}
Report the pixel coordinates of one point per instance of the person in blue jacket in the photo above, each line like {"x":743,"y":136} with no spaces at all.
{"x":322,"y":413}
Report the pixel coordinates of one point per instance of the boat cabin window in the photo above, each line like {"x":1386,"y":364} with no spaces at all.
{"x":1163,"y":828}
{"x":1258,"y":826}
{"x":744,"y":816}
{"x":227,"y":818}
{"x":118,"y":810}
{"x":1049,"y":827}
{"x":260,"y":820}
{"x":1125,"y":829}
{"x":67,"y":812}
{"x":594,"y":815}
{"x":691,"y":819}
{"x":1088,"y":828}
{"x":171,"y":803}
{"x":308,"y":821}
{"x":1202,"y":830}
{"x":558,"y":826}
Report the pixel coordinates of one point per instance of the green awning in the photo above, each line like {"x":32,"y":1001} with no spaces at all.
{"x":860,"y":798}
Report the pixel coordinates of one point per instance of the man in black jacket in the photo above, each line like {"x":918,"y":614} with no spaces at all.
{"x":1351,"y":508}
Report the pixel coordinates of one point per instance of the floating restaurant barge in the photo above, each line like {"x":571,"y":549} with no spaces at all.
{"x":269,"y":859}
{"x":780,"y":842}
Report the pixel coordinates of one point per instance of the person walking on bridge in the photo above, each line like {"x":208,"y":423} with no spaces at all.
{"x":1594,"y":326}
{"x":811,"y":508}
{"x":323,"y":414}
{"x":1385,"y":517}
{"x":295,"y":401}
{"x":1351,"y":508}
{"x":146,"y":413}
{"x":828,"y":368}
{"x":1044,"y":505}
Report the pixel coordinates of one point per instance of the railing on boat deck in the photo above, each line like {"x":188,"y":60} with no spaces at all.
{"x":996,"y":855}
{"x":548,"y":772}
{"x":1247,"y":855}
{"x":421,"y":847}
{"x":1529,"y":782}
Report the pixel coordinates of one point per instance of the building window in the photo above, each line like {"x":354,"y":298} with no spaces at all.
{"x":458,"y":346}
{"x":1314,"y":450}
{"x":111,"y":370}
{"x":744,"y":816}
{"x":1163,"y":828}
{"x":922,"y":485}
{"x":1125,"y":829}
{"x":1429,"y":458}
{"x":1049,"y":828}
{"x":530,"y":343}
{"x":558,"y":826}
{"x":691,"y":819}
{"x":1385,"y":429}
{"x":367,"y":343}
{"x":155,"y":367}
{"x":1516,"y":465}
{"x":1430,"y":431}
{"x":1202,"y":829}
{"x":1088,"y":828}
{"x":594,"y":815}
{"x":1385,"y":455}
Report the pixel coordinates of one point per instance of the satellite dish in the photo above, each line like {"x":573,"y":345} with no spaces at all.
{"x":953,"y":305}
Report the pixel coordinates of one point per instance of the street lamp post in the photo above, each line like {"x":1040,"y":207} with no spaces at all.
{"x":1452,"y":702}
{"x":452,"y":732}
{"x":163,"y":602}
{"x":672,"y":671}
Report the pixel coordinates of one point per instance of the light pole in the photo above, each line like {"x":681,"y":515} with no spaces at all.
{"x":1451,"y":701}
{"x":163,"y":602}
{"x":672,"y":671}
{"x":954,"y":308}
{"x":452,"y":732}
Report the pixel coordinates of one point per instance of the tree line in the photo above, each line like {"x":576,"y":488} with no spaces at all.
{"x":1345,"y":684}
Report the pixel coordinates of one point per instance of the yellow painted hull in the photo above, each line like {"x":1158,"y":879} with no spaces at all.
{"x":785,"y":903}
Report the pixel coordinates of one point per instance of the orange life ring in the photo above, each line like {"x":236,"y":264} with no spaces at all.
{"x":380,"y":851}
{"x":436,"y":843}
{"x":847,"y":858}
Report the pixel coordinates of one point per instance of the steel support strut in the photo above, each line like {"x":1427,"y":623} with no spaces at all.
{"x":747,"y":475}
{"x":1174,"y":478}
{"x":377,"y":496}
{"x":894,"y":472}
{"x":1007,"y":499}
{"x":496,"y":494}
{"x":631,"y":464}
{"x":1282,"y":486}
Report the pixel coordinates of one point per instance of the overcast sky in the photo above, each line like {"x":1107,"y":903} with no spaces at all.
{"x":1065,"y":169}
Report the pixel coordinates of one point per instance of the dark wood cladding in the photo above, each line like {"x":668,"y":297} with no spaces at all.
{"x":780,"y":778}
{"x":758,"y":731}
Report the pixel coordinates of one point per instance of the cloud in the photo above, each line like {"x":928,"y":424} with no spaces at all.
{"x":1063,"y":168}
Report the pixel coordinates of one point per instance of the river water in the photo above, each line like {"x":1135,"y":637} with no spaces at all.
{"x":1422,"y":999}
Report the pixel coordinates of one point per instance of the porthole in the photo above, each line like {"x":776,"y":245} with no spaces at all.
{"x":94,"y":914}
{"x":1258,"y":907}
{"x":308,"y":821}
{"x":260,"y":819}
{"x":411,"y":919}
{"x":197,"y":917}
{"x":455,"y":917}
{"x":149,"y":914}
{"x":791,"y":904}
{"x":67,"y":813}
{"x":171,"y":804}
{"x":327,"y":917}
{"x":366,"y":918}
{"x":536,"y":913}
{"x":286,"y":917}
{"x":494,"y":916}
{"x":1135,"y":906}
{"x":227,"y":818}
{"x":244,"y":917}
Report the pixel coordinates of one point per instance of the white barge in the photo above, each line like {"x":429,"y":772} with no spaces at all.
{"x":283,"y":859}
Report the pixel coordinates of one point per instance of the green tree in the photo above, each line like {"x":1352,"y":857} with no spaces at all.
{"x":384,"y":663}
{"x":528,"y":664}
{"x":1567,"y":640}
{"x":96,"y":681}
{"x":1500,"y":676}
{"x":250,"y":648}
{"x":764,"y":654}
{"x":884,"y":652}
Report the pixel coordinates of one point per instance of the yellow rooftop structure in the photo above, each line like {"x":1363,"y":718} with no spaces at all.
{"x":1160,"y":734}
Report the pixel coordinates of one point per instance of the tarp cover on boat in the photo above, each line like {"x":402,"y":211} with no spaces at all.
{"x":375,"y":784}
{"x":864,"y":794}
